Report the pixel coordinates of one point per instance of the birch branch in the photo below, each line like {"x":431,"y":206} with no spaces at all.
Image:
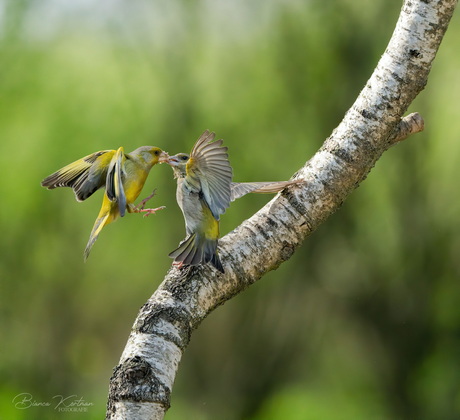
{"x":141,"y":384}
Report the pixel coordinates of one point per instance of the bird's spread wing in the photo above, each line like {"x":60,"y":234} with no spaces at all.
{"x":242,"y":188}
{"x":114,"y":186}
{"x":84,"y":176}
{"x":209,"y":166}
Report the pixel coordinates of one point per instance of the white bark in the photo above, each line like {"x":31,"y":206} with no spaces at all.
{"x":142,"y":382}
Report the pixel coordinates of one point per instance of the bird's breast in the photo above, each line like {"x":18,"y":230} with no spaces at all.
{"x":133,"y":185}
{"x":197,"y":215}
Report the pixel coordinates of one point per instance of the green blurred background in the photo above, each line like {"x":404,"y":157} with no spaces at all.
{"x":362,"y":323}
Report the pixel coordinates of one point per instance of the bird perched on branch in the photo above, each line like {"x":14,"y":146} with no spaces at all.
{"x":204,"y":191}
{"x":122,"y":175}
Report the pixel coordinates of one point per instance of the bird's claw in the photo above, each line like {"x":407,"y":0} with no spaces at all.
{"x":148,"y":212}
{"x":178,"y":264}
{"x":142,"y":204}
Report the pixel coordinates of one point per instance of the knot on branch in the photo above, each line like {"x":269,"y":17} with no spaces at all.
{"x":134,"y":380}
{"x":153,"y":319}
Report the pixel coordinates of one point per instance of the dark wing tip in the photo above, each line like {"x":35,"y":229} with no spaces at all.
{"x":48,"y":186}
{"x":51,"y":181}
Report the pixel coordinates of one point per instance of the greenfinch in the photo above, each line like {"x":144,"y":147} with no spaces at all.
{"x":122,"y":175}
{"x":204,"y":191}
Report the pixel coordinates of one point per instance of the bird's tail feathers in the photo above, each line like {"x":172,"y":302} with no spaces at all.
{"x":100,"y":222}
{"x":215,"y":261}
{"x":196,"y":250}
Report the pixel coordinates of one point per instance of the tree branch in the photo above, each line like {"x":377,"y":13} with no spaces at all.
{"x":411,"y":124}
{"x":142,"y":382}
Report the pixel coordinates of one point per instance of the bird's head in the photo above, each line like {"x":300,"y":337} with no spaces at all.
{"x":151,"y":155}
{"x":179,"y":163}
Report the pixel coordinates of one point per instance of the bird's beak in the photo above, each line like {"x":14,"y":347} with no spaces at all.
{"x":164,"y":157}
{"x":173,"y":161}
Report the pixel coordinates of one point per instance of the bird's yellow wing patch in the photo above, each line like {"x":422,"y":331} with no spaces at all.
{"x":115,"y":175}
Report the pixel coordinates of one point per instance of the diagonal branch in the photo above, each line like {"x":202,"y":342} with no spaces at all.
{"x":142,"y":382}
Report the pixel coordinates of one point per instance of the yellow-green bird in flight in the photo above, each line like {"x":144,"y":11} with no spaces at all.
{"x":122,"y":174}
{"x":204,"y":191}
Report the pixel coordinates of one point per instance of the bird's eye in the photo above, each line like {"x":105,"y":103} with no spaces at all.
{"x":184,"y":157}
{"x":156,"y":152}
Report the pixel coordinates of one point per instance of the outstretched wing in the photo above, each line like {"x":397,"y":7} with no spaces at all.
{"x":238,"y":189}
{"x":84,"y":176}
{"x":209,"y":168}
{"x":115,"y":175}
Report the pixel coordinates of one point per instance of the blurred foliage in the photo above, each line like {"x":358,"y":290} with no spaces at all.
{"x":362,"y":323}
